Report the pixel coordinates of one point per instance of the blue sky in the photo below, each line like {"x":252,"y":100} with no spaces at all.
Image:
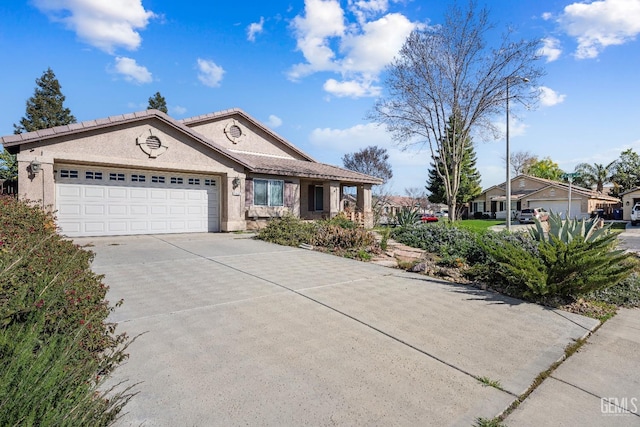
{"x":311,"y":70}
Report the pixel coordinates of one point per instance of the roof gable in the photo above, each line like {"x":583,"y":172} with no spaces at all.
{"x":214,"y":126}
{"x":301,"y":165}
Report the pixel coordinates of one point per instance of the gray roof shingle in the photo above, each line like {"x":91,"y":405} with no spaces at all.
{"x":306,"y":169}
{"x":253,"y":162}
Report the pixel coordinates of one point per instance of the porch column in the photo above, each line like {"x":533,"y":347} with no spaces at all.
{"x":363,"y":204}
{"x":332,"y":197}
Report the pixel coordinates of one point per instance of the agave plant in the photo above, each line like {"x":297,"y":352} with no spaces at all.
{"x":408,"y":216}
{"x":566,"y":231}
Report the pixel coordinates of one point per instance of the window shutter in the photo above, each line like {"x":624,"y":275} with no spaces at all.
{"x":248,"y":192}
{"x":288,"y":194}
{"x":311,"y":198}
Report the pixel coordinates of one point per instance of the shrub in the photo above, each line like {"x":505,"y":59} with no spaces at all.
{"x":289,"y":231}
{"x":562,"y":269}
{"x":335,"y":235}
{"x":624,"y":294}
{"x":443,"y":239}
{"x":340,"y":220}
{"x":56,"y":347}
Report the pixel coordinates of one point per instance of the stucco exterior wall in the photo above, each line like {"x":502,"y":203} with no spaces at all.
{"x":253,"y":139}
{"x":120,"y":147}
{"x":628,"y":200}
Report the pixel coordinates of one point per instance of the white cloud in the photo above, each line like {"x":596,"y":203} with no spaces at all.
{"x":323,"y":19}
{"x":551,"y":48}
{"x":351,"y":88}
{"x":255,"y":28}
{"x":106,"y":25}
{"x":358,"y":51}
{"x":274,"y":121}
{"x":350,"y":139}
{"x":178,"y":110}
{"x":364,"y":9}
{"x":547,"y":15}
{"x":516,"y":128}
{"x":131,"y":71}
{"x":549,"y":97}
{"x":210,"y":74}
{"x":599,"y":24}
{"x":372,"y":49}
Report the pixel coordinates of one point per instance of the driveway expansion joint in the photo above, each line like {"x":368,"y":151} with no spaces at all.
{"x":342,"y":313}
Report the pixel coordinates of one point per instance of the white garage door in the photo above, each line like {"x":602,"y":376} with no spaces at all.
{"x":108,"y":202}
{"x":560,"y":207}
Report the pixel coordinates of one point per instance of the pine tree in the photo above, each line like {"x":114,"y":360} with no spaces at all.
{"x":469,"y":175}
{"x":157,"y":102}
{"x":45,"y":108}
{"x":8,"y":166}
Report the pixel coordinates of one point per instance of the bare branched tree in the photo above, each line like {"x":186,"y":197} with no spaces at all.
{"x":450,"y":69}
{"x":418,"y":196}
{"x":521,"y":161}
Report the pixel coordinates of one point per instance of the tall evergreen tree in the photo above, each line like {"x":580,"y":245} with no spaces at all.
{"x":625,"y":172}
{"x":8,"y":166}
{"x":469,"y":175}
{"x":45,"y":108}
{"x":157,"y":102}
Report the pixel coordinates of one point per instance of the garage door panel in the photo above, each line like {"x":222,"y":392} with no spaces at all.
{"x":70,"y":227}
{"x":94,"y":226}
{"x":177,"y":210}
{"x":117,"y":209}
{"x":157,"y":226}
{"x":93,"y":192}
{"x":117,"y":193}
{"x":177,"y":225}
{"x":139,"y":210}
{"x":158,"y":210}
{"x":117,"y":226}
{"x":95,"y":208}
{"x":138,"y":193}
{"x":158,"y":194}
{"x":69,"y":209}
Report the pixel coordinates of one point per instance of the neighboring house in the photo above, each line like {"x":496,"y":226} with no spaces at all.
{"x":629,"y":198}
{"x":532,"y":192}
{"x":147,"y":173}
{"x":391,"y":205}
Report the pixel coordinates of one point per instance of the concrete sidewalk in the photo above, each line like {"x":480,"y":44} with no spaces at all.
{"x":242,"y":332}
{"x":597,"y":386}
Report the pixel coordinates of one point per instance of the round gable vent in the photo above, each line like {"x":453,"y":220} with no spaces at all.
{"x":234,"y":131}
{"x":153,"y":142}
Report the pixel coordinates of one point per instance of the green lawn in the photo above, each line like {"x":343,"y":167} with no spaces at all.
{"x":477,"y":225}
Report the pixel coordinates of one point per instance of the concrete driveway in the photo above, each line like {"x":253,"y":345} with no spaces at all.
{"x":242,"y":332}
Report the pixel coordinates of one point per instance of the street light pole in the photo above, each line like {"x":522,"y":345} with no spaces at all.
{"x":508,"y":183}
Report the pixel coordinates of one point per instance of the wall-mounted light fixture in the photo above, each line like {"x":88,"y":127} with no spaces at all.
{"x":235,"y":182}
{"x":35,"y":166}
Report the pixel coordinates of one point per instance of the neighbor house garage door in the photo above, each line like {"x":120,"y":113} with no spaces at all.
{"x":107,"y":202}
{"x":560,"y":207}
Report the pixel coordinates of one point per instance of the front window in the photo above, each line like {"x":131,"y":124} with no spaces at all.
{"x":268,"y":192}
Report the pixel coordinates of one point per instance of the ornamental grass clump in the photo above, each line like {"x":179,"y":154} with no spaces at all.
{"x":56,"y":346}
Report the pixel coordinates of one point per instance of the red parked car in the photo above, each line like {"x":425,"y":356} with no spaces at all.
{"x":428,"y":218}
